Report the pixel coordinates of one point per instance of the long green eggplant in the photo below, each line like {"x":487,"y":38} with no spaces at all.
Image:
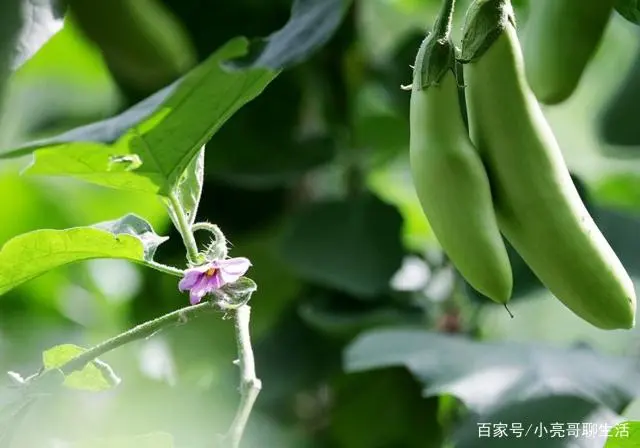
{"x":448,"y":174}
{"x":538,"y":208}
{"x":560,"y":38}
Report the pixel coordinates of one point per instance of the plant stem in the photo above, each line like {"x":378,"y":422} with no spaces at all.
{"x":164,"y":268}
{"x":221,"y":240}
{"x":138,"y":332}
{"x":184,"y":228}
{"x":250,"y":385}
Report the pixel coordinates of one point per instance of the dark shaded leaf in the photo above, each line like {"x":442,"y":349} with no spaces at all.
{"x":485,"y":376}
{"x":352,"y":245}
{"x":311,"y":25}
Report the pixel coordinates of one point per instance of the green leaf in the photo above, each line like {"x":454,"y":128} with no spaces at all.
{"x":32,"y":254}
{"x":151,"y":440}
{"x":95,"y":376}
{"x":164,"y":132}
{"x":629,"y":9}
{"x":188,"y":189}
{"x":624,"y":435}
{"x":487,"y":375}
{"x":311,"y":25}
{"x":353,"y":245}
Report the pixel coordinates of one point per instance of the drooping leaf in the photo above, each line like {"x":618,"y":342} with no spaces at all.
{"x":629,"y":9}
{"x":32,"y":254}
{"x":95,"y":376}
{"x":352,"y":245}
{"x":487,"y":375}
{"x":311,"y":25}
{"x":151,"y":440}
{"x":624,"y":435}
{"x":148,"y":147}
{"x":553,"y":422}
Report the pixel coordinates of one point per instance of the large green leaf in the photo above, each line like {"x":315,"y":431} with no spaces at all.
{"x":353,"y":245}
{"x":487,"y":375}
{"x":149,"y":146}
{"x":32,"y":254}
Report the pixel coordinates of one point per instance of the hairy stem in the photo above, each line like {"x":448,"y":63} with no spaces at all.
{"x":141,"y":331}
{"x":221,"y":240}
{"x":250,"y":385}
{"x":184,"y":228}
{"x":164,"y":268}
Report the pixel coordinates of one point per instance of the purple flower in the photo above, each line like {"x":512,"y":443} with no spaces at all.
{"x":202,"y":280}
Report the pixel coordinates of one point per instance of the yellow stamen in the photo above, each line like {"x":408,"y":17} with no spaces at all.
{"x":211,"y":271}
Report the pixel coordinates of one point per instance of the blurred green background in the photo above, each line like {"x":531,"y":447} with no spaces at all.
{"x":311,"y":182}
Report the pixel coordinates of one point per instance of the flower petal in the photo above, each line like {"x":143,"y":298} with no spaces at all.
{"x":235,"y":266}
{"x":195,"y":298}
{"x":190,"y":279}
{"x":216,"y":281}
